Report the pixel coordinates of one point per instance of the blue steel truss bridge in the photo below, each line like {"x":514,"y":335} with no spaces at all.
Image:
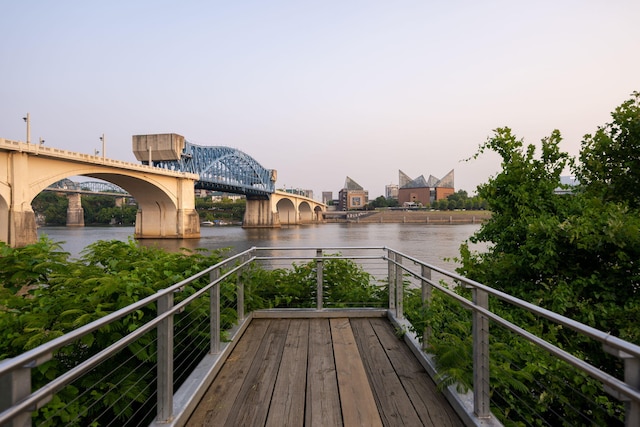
{"x":220,"y":168}
{"x":88,"y":187}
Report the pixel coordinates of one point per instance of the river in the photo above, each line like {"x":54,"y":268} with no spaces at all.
{"x":430,"y":243}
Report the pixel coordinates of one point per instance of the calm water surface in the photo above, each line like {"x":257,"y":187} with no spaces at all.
{"x":430,"y":243}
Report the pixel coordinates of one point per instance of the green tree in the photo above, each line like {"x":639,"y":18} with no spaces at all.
{"x":93,"y":207}
{"x":378,"y":202}
{"x":458,"y":195}
{"x":573,"y":254}
{"x":610,"y":158}
{"x":52,"y":206}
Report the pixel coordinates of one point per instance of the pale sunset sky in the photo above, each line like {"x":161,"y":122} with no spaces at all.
{"x":318,"y":90}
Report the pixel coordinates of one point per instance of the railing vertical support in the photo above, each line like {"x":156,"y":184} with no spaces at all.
{"x":214,"y":310}
{"x":427,"y":291}
{"x":480,"y":325}
{"x":165,"y":360}
{"x":632,"y":377}
{"x":240,"y":296}
{"x":399,"y":288}
{"x":392,"y":279}
{"x":319,"y":280}
{"x":15,"y":386}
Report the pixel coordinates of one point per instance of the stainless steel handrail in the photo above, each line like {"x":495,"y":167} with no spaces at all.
{"x":621,"y":390}
{"x":398,"y":266}
{"x":589,"y":331}
{"x":42,"y":352}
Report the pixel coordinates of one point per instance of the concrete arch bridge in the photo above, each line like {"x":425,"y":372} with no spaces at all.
{"x":165,"y":196}
{"x":283,"y":208}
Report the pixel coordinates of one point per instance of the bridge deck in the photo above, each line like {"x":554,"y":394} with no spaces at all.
{"x":322,"y":372}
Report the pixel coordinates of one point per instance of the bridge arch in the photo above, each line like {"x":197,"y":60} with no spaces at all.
{"x":306,"y":214}
{"x":166,"y":199}
{"x":156,"y":203}
{"x":286,"y":212}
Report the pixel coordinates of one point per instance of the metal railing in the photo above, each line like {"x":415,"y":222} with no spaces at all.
{"x":177,"y":325}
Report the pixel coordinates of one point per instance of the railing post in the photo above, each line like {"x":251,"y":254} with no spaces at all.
{"x":632,"y":378}
{"x":214,"y":310}
{"x":399,"y":288}
{"x":15,"y":386}
{"x":165,"y":360}
{"x":319,"y":280}
{"x":425,"y":272}
{"x":240,"y":295}
{"x":392,"y":279}
{"x":480,"y":326}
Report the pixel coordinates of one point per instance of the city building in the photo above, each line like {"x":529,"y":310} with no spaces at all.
{"x":391,"y":191}
{"x":568,"y":185}
{"x":352,"y":196}
{"x":327,"y":197}
{"x":420,"y":191}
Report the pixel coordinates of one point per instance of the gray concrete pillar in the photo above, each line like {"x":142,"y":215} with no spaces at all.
{"x":75,"y":212}
{"x":22,"y":228}
{"x":259,"y":213}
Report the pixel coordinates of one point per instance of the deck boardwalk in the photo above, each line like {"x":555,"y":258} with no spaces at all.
{"x":322,"y":372}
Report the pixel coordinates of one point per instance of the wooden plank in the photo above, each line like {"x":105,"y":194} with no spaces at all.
{"x":432,"y":407}
{"x":312,"y":313}
{"x":393,"y":402}
{"x":288,"y":399}
{"x":217,"y":402}
{"x":323,"y":403}
{"x":252,"y":403}
{"x":356,"y":398}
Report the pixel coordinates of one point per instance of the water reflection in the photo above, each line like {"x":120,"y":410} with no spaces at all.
{"x":430,"y":243}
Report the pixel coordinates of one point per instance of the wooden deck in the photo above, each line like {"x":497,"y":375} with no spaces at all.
{"x":322,"y":372}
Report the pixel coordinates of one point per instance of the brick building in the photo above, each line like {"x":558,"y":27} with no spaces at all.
{"x":352,"y":196}
{"x":423,"y":191}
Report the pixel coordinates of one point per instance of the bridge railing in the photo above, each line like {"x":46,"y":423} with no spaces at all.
{"x":178,"y":351}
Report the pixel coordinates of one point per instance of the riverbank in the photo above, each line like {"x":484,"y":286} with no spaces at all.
{"x":416,"y":217}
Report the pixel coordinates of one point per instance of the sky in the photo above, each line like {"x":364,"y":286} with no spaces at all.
{"x":319,"y":90}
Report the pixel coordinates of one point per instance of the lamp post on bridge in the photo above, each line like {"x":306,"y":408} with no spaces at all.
{"x":104,"y":141}
{"x":28,"y":121}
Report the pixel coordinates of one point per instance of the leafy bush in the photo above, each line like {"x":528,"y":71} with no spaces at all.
{"x":345,"y":284}
{"x":45,"y":295}
{"x":574,"y":254}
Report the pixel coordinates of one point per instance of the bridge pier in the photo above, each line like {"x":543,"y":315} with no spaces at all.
{"x":259,"y":213}
{"x":22,"y":228}
{"x":167,"y":224}
{"x":75,"y":212}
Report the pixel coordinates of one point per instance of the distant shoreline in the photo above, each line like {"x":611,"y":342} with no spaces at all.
{"x":414,"y":217}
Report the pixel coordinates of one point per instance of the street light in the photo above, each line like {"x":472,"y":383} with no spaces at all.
{"x":28,"y":120}
{"x":104,"y":141}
